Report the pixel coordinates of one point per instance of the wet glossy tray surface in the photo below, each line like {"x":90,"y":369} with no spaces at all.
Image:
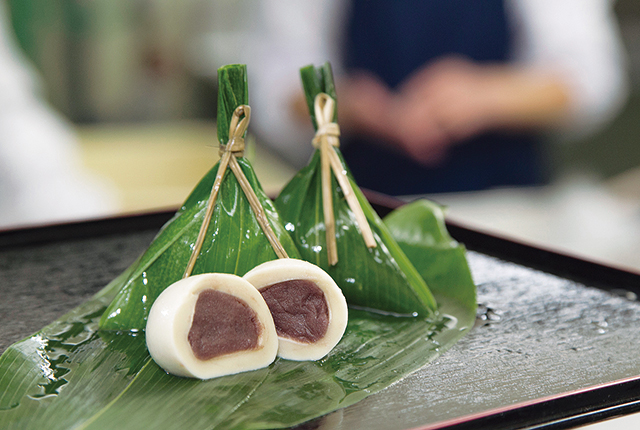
{"x":556,"y":343}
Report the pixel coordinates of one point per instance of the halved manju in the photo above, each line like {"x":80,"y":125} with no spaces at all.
{"x":308,"y":308}
{"x":211,"y":325}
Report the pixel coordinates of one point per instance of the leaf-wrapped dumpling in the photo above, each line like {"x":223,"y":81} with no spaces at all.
{"x":371,"y":275}
{"x":233,"y":241}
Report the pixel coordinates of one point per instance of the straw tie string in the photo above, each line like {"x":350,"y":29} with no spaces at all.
{"x":228,"y":153}
{"x":326,"y":139}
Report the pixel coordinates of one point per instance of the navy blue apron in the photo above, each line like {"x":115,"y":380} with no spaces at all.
{"x":392,"y":39}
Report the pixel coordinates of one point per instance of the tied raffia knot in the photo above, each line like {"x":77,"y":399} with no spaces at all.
{"x":237,"y":129}
{"x":326,"y":140}
{"x":228,"y":153}
{"x":324,"y":109}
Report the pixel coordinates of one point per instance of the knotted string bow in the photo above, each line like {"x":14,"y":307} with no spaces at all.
{"x":228,"y":153}
{"x":326,"y":139}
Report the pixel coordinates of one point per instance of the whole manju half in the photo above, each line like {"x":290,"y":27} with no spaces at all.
{"x":336,"y":228}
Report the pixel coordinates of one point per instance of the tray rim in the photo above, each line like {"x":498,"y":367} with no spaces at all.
{"x":576,"y":407}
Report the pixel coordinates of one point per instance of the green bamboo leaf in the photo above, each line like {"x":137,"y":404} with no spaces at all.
{"x":232,"y":92}
{"x":235,"y":241}
{"x":375,"y":352}
{"x":419,"y":229}
{"x":67,"y":360}
{"x":377,"y":278}
{"x":70,"y":375}
{"x":316,"y":80}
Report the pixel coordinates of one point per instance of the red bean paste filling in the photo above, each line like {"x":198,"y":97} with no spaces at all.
{"x":222,"y":324}
{"x":299,"y":309}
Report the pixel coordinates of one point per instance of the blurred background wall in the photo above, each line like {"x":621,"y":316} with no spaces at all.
{"x":137,"y":79}
{"x":154,"y":60}
{"x":113,"y":60}
{"x":616,"y":148}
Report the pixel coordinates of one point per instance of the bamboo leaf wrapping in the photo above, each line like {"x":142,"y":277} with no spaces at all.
{"x":376,"y":278}
{"x":419,"y":229}
{"x":235,"y":242}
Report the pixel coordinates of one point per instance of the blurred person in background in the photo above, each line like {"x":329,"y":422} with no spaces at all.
{"x":439,"y":96}
{"x":41,"y":176}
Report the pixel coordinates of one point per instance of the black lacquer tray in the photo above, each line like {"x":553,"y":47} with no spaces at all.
{"x":556,"y":344}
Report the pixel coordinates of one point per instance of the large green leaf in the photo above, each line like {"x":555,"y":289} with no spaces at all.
{"x":419,"y":228}
{"x":235,"y":241}
{"x":72,"y":376}
{"x":379,"y":278}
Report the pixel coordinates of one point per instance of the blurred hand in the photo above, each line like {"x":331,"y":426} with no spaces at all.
{"x":366,"y":106}
{"x":448,"y":101}
{"x":441,"y":104}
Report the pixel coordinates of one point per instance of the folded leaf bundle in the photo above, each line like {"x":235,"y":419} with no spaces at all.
{"x":335,"y":227}
{"x":228,"y":236}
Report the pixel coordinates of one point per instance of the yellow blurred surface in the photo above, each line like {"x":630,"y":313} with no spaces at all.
{"x":156,"y":165}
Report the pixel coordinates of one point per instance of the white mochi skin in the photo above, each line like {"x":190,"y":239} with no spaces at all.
{"x":170,"y":320}
{"x":285,"y":269}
